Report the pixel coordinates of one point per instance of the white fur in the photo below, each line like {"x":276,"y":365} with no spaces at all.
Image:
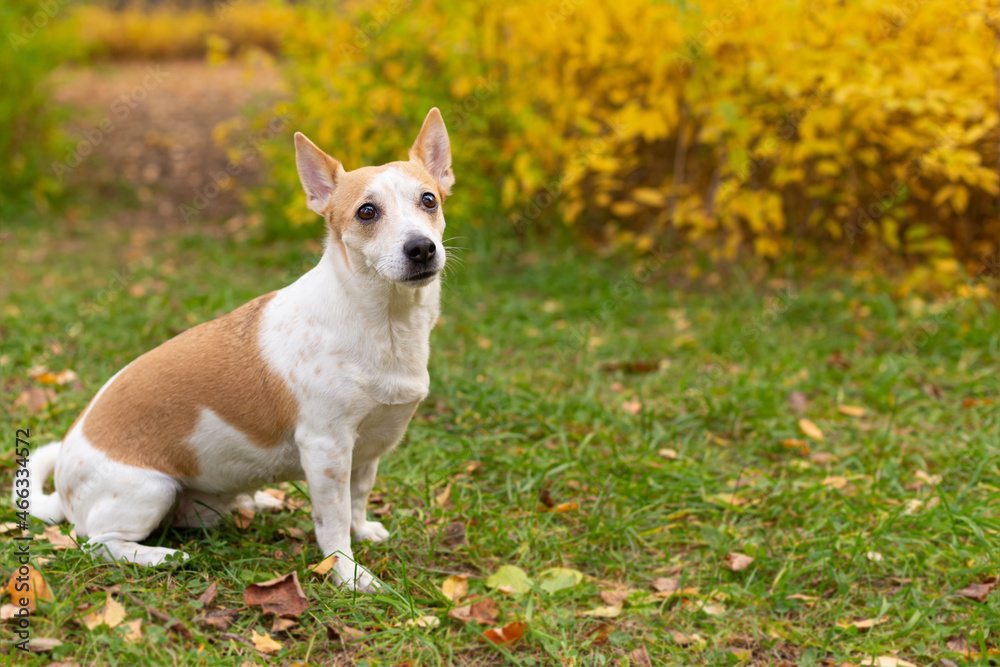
{"x":352,"y":343}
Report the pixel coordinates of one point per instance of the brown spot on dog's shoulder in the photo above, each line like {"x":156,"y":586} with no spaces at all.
{"x":146,"y":417}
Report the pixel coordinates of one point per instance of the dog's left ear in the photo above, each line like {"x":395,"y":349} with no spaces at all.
{"x":433,"y":149}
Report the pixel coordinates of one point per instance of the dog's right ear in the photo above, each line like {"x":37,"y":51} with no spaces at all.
{"x":318,"y":173}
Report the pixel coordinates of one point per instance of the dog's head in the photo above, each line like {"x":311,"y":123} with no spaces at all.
{"x":387,"y":217}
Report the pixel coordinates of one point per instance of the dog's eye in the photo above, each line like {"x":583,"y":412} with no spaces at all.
{"x":367,"y":212}
{"x":429,"y":201}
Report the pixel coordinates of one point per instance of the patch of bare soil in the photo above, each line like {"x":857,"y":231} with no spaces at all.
{"x":154,"y":132}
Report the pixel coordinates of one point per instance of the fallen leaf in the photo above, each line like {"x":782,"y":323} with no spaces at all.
{"x":810,"y":429}
{"x":979,"y":591}
{"x":959,"y":645}
{"x":614,"y":597}
{"x":208,"y":597}
{"x":8,"y":527}
{"x":42,"y":644}
{"x":545,"y":497}
{"x":866,"y":624}
{"x":65,"y":377}
{"x":639,"y":657}
{"x":220,"y":619}
{"x":134,"y":633}
{"x":455,"y":587}
{"x":796,"y":443}
{"x":264,"y":643}
{"x":874,"y":556}
{"x":669,"y":454}
{"x":559,"y":578}
{"x":666,"y":584}
{"x":838,"y":360}
{"x":927,"y":478}
{"x":427,"y":622}
{"x":483,"y":611}
{"x":509,"y":579}
{"x":736,"y":561}
{"x":835,"y":482}
{"x":454,"y":534}
{"x":852,"y":410}
{"x":710,"y":608}
{"x":563,"y":507}
{"x":35,"y":399}
{"x":973,"y":402}
{"x":599,"y":635}
{"x":741,"y":654}
{"x":798,"y":402}
{"x":59,"y":541}
{"x":886,"y":661}
{"x":933,"y":391}
{"x":508,"y":634}
{"x":282,"y":596}
{"x":632,"y":407}
{"x":338,"y":631}
{"x":278,"y":494}
{"x":323,"y":567}
{"x":684,"y":639}
{"x":8,"y":611}
{"x":610,"y":611}
{"x":244,"y":517}
{"x":38,"y":589}
{"x":111,"y":614}
{"x":443,"y":499}
{"x":282,"y":624}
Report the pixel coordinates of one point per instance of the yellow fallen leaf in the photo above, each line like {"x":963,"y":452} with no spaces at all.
{"x":428,"y":622}
{"x":632,"y":407}
{"x":866,"y":624}
{"x":668,"y":453}
{"x":886,"y":661}
{"x":134,"y":633}
{"x":810,"y":429}
{"x":455,"y":587}
{"x":835,"y":482}
{"x":324,"y":566}
{"x":851,"y":410}
{"x":444,"y":497}
{"x":264,"y":643}
{"x":111,"y":614}
{"x":611,"y":611}
{"x":38,"y":589}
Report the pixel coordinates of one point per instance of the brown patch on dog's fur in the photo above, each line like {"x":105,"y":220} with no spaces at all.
{"x":146,"y":416}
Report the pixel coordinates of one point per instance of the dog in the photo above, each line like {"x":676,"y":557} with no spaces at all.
{"x":315,"y":381}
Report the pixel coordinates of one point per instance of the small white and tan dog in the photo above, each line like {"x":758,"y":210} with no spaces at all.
{"x":315,"y":381}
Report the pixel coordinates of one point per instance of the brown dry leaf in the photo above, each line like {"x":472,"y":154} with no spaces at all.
{"x":852,"y":410}
{"x":508,"y":634}
{"x":599,"y":635}
{"x":243,"y":518}
{"x":669,"y":454}
{"x":455,"y":587}
{"x":886,"y":661}
{"x":293,"y":532}
{"x":483,"y":611}
{"x":640,"y":657}
{"x":264,"y":643}
{"x":384,"y":510}
{"x":338,"y":631}
{"x":959,"y":645}
{"x":835,"y":482}
{"x":979,"y":591}
{"x":810,"y":429}
{"x":208,"y":597}
{"x":42,"y":644}
{"x":134,"y":633}
{"x":610,"y":611}
{"x":323,"y":567}
{"x":427,"y":622}
{"x":443,"y":499}
{"x":35,"y":399}
{"x":612,"y":598}
{"x":282,"y":596}
{"x":59,"y":541}
{"x":684,"y":639}
{"x":666,"y":584}
{"x":632,"y":407}
{"x":737,"y":561}
{"x":454,"y":534}
{"x":704,"y":606}
{"x":8,"y":611}
{"x":38,"y":589}
{"x":798,"y":402}
{"x":111,"y":614}
{"x":282,"y":624}
{"x":8,"y":527}
{"x":564,"y":507}
{"x":220,"y":619}
{"x":65,"y":377}
{"x":796,"y":443}
{"x":866,"y":624}
{"x":276,"y":493}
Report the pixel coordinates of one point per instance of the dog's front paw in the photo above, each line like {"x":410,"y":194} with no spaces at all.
{"x":353,"y":577}
{"x":370,"y":530}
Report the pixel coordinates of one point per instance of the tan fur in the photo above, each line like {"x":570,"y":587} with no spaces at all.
{"x":146,"y":416}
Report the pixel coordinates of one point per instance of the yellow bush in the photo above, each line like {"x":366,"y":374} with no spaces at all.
{"x":166,"y":32}
{"x":794,"y":127}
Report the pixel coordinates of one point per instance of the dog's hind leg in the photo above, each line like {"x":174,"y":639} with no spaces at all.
{"x":119,"y":516}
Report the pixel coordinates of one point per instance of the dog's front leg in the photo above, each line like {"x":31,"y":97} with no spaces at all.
{"x":362,"y":481}
{"x":327,"y":463}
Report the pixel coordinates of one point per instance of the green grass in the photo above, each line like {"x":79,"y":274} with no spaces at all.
{"x":522,"y":388}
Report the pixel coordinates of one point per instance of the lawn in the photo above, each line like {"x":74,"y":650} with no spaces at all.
{"x":631,"y":419}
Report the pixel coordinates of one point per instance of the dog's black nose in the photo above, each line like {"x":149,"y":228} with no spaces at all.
{"x":420,"y":250}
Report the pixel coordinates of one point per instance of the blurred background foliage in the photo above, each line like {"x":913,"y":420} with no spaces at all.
{"x":841,"y":133}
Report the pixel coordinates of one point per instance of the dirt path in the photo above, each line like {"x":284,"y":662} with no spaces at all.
{"x":151,"y":132}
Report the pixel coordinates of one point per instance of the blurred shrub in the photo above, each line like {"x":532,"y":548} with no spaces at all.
{"x":166,"y":32}
{"x":815,"y":128}
{"x":37,"y":39}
